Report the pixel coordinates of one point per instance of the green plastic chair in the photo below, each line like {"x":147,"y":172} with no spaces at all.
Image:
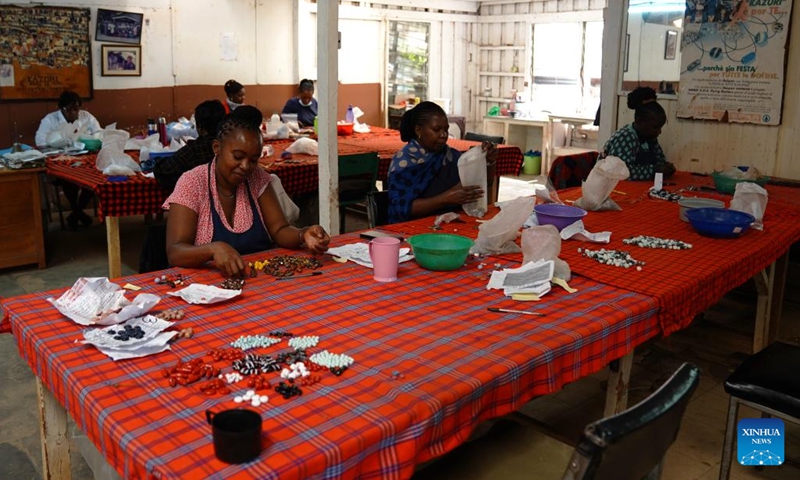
{"x":357,"y":177}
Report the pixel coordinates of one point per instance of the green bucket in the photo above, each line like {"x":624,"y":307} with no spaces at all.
{"x":532,"y":165}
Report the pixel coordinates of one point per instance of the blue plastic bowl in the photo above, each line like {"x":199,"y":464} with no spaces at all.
{"x":719,"y":222}
{"x":559,"y":216}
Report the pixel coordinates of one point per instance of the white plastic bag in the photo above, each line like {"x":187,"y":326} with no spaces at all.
{"x":112,"y":160}
{"x":304,"y":145}
{"x":751,"y":198}
{"x":498,"y":235}
{"x":472,"y":171}
{"x":597,"y":187}
{"x":543,"y":242}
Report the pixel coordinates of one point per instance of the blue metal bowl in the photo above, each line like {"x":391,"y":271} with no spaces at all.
{"x":719,"y":222}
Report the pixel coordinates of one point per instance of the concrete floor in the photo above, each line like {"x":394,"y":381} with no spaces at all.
{"x":717,"y":342}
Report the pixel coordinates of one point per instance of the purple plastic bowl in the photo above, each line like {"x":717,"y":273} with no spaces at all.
{"x":557,"y":215}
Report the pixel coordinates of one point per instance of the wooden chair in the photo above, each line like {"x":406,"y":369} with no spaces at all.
{"x":357,"y":177}
{"x":767,"y":382}
{"x":378,"y":208}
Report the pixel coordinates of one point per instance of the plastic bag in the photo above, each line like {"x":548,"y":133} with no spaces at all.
{"x":66,"y":134}
{"x":290,"y":210}
{"x":112,"y":160}
{"x":181,"y":129}
{"x":597,"y":188}
{"x":472,"y":171}
{"x":304,"y":145}
{"x":498,"y":235}
{"x":544,"y":243}
{"x":751,"y":198}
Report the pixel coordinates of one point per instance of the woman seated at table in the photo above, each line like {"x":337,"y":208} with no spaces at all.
{"x":235,"y":93}
{"x":304,"y":104}
{"x":423,"y":176}
{"x":69,"y":111}
{"x":223,"y":210}
{"x":637,"y":144}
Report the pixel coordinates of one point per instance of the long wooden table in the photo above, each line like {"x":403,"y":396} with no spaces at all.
{"x":430,"y":364}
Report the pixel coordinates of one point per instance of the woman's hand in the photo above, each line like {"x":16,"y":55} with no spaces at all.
{"x":491,"y":153}
{"x":227,"y":259}
{"x":459,"y":195}
{"x":316,"y":239}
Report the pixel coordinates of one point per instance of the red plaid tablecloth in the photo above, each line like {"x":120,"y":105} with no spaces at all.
{"x":685,"y":282}
{"x":138,"y":195}
{"x":459,"y":364}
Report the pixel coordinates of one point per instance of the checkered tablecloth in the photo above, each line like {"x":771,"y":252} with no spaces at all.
{"x":685,"y":282}
{"x":430,"y":364}
{"x":138,"y":195}
{"x":509,"y":157}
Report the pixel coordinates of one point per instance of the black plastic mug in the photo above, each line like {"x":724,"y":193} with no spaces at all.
{"x":236,"y":434}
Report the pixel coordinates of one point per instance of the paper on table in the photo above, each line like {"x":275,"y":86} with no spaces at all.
{"x":157,"y":344}
{"x":359,"y":253}
{"x":102,"y":337}
{"x":577,"y":231}
{"x":198,"y":293}
{"x":97,"y":301}
{"x":533,"y":277}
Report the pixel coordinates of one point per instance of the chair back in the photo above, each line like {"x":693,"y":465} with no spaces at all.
{"x":378,"y":209}
{"x":357,"y":176}
{"x":571,"y":170}
{"x":153,"y":256}
{"x":477,"y":137}
{"x":631,"y":444}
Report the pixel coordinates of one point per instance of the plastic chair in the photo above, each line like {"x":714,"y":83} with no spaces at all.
{"x":357,"y":177}
{"x":378,"y":208}
{"x":631,"y":444}
{"x":477,"y":137}
{"x":767,"y":382}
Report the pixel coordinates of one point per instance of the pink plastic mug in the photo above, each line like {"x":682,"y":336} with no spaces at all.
{"x":385,"y":255}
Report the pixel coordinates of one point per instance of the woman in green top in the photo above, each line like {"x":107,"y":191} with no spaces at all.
{"x":637,"y":144}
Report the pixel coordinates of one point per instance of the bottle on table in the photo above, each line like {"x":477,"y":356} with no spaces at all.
{"x":349,"y":117}
{"x":162,"y":131}
{"x":152,"y":127}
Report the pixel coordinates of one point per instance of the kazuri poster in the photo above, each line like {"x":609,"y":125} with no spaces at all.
{"x":733,"y":60}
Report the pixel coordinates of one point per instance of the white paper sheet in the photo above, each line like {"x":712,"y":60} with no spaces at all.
{"x":229,"y":48}
{"x":359,"y":253}
{"x":577,"y":231}
{"x":97,"y":301}
{"x":157,"y":344}
{"x":153,"y":341}
{"x":200,"y":294}
{"x":533,"y":277}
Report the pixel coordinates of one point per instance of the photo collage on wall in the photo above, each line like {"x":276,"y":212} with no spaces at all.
{"x":123,"y":58}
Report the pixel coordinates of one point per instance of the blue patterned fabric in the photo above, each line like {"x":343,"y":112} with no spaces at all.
{"x":412,"y":171}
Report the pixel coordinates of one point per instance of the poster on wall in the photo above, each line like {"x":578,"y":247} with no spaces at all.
{"x":44,"y":51}
{"x":733,"y":60}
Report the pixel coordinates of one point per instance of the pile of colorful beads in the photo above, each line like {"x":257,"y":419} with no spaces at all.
{"x":617,"y":258}
{"x":288,"y":390}
{"x":232,"y":284}
{"x":294,"y":356}
{"x":171,"y":314}
{"x":247,"y":342}
{"x":654,"y":242}
{"x":286,"y":265}
{"x":252,"y":397}
{"x":225,"y":354}
{"x":259,"y":382}
{"x":173,"y":281}
{"x":127,"y":333}
{"x":280,"y":333}
{"x":233,"y":377}
{"x":302,"y":343}
{"x":295,"y":370}
{"x":252,"y":364}
{"x":214,"y":386}
{"x":664,"y":195}
{"x":332,"y":360}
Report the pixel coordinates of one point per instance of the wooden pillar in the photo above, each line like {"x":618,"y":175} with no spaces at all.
{"x":56,"y":464}
{"x":328,"y":83}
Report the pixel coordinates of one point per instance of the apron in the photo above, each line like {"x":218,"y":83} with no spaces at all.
{"x":445,"y":179}
{"x":255,"y":239}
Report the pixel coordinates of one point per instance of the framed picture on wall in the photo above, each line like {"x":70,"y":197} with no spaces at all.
{"x":671,"y":45}
{"x":121,"y":60}
{"x":119,"y":27}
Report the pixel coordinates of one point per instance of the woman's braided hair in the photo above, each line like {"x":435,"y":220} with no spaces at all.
{"x":246,"y":117}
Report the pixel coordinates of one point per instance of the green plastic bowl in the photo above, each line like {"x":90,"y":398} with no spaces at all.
{"x":440,"y":252}
{"x":726,"y":184}
{"x":92,"y":144}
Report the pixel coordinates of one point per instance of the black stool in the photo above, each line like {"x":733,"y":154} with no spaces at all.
{"x":768,"y":382}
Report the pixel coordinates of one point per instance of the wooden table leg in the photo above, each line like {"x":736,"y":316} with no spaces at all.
{"x":770,"y":285}
{"x":112,"y":239}
{"x":53,"y":431}
{"x":619,"y":375}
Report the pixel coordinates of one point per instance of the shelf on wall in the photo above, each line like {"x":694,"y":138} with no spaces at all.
{"x":493,"y":99}
{"x":502,"y":74}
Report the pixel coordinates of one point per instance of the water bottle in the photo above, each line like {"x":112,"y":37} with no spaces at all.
{"x":349,"y":117}
{"x":162,"y":131}
{"x":152,"y":128}
{"x":273,"y":125}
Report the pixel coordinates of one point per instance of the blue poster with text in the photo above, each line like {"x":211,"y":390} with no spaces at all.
{"x":760,"y":441}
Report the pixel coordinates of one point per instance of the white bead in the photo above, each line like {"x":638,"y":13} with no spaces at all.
{"x":256,"y":402}
{"x":285,"y":373}
{"x":264,"y":399}
{"x":238,"y":399}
